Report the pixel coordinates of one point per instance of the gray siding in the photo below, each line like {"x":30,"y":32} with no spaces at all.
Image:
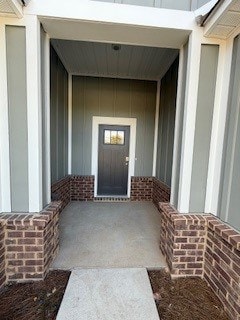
{"x":17,"y":104}
{"x":112,"y":98}
{"x":178,"y":141}
{"x":166,"y":126}
{"x":187,"y":5}
{"x":229,"y":196}
{"x":59,"y":118}
{"x":204,"y":114}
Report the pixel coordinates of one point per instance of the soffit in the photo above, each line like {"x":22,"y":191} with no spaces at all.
{"x":225,"y":22}
{"x":99,"y":59}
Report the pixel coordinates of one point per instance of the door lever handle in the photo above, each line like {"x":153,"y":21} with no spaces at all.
{"x":127,"y":159}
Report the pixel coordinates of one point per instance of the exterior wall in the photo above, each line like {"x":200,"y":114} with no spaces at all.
{"x":229,"y":195}
{"x":59,"y":118}
{"x":202,"y":245}
{"x":203,"y":126}
{"x":17,"y":112}
{"x":187,"y":5}
{"x":166,"y":125}
{"x":31,"y":243}
{"x":112,"y":98}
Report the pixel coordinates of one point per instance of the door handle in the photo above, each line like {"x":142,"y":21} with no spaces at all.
{"x":127,"y":159}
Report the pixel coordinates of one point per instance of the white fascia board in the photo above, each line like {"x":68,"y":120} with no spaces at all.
{"x":113,"y":13}
{"x":214,"y":19}
{"x":202,"y":11}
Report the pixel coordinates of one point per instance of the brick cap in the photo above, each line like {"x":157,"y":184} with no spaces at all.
{"x":32,"y":219}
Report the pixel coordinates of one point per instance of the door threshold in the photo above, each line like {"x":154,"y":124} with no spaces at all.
{"x":111,"y":198}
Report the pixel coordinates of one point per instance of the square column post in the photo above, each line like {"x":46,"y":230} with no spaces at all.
{"x":190,"y":107}
{"x":5,"y":185}
{"x":34,"y":113}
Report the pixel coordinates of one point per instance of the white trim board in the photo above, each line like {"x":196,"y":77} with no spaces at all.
{"x":96,"y":121}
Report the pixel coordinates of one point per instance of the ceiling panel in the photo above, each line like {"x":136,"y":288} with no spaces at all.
{"x":99,"y":59}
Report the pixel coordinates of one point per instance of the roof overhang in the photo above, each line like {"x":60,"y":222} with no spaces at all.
{"x":224,"y":20}
{"x":12,"y":8}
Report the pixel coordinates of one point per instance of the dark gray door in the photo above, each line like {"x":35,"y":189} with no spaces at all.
{"x":113,"y":160}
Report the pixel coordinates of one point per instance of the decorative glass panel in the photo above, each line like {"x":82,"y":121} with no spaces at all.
{"x":107,"y":136}
{"x":113,"y":137}
{"x":120,"y":137}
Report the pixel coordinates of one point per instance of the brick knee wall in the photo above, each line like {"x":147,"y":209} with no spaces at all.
{"x":161,"y":192}
{"x":2,"y":255}
{"x":82,"y":188}
{"x":202,"y":245}
{"x":182,"y":241}
{"x":31,"y":243}
{"x":60,"y":191}
{"x":141,"y":188}
{"x":222,"y":264}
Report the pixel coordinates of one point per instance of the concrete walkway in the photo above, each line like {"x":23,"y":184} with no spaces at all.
{"x":110,"y":294}
{"x":105,"y":235}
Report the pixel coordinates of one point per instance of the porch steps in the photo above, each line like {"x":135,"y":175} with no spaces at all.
{"x":107,"y":294}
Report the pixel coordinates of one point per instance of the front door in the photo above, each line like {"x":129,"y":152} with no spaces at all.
{"x":113,"y":160}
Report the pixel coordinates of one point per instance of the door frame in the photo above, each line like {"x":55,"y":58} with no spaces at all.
{"x":132,"y":123}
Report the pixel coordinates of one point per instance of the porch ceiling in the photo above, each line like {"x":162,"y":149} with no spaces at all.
{"x":101,"y":60}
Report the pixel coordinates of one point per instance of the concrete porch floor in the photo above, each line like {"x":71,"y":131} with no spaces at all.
{"x":109,"y":235}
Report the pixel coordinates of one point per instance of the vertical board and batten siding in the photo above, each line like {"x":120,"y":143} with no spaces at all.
{"x":203,"y":126}
{"x":229,"y":202}
{"x":167,"y":111}
{"x":44,"y":117}
{"x":107,"y":97}
{"x":178,"y":141}
{"x":187,"y":5}
{"x":18,"y":125}
{"x":59,"y":118}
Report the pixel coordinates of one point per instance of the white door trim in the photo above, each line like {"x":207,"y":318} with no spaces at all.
{"x":132,"y":122}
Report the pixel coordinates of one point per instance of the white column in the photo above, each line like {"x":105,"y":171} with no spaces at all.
{"x":176,"y":146}
{"x":191,"y":93}
{"x":218,"y":126}
{"x":5,"y":185}
{"x":69,"y":124}
{"x":156,"y":129}
{"x":47,"y":119}
{"x":34,"y":113}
